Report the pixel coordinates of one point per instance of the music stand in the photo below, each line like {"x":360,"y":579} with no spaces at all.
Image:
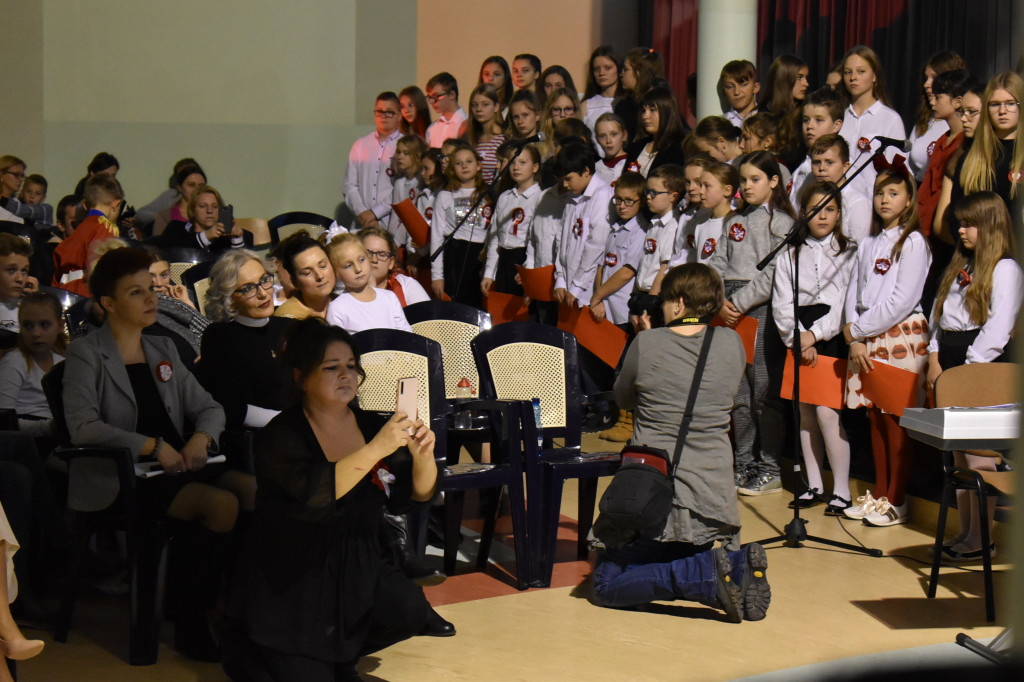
{"x":795,"y":532}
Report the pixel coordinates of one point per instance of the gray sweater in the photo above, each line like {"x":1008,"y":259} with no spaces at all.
{"x":655,"y":381}
{"x":747,"y":239}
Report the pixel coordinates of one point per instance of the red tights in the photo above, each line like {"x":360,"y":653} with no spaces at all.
{"x":894,"y":454}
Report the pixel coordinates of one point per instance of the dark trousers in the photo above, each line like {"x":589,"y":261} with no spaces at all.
{"x":462,"y":274}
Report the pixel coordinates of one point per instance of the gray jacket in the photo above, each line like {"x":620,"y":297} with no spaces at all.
{"x":99,"y":403}
{"x":748,"y":237}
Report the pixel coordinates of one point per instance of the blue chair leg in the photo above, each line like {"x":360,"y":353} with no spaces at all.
{"x":986,"y":543}
{"x":587,"y":500}
{"x":453,"y":503}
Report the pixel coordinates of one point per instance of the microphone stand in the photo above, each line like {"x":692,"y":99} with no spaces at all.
{"x":795,"y":531}
{"x":451,"y":235}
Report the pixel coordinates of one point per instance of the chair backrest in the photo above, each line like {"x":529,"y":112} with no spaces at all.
{"x":454,"y":326}
{"x":978,"y":385}
{"x":182,"y":258}
{"x":197,"y":280}
{"x":287,"y":224}
{"x":96,"y":476}
{"x":388,"y":355}
{"x":525,"y":360}
{"x":66,"y":298}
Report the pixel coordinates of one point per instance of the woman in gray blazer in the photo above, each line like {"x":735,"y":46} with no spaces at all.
{"x":123,"y":389}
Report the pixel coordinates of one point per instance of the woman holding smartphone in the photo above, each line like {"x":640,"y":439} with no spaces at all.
{"x":210,"y":225}
{"x":316,"y":590}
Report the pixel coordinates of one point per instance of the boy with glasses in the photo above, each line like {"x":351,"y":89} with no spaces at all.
{"x":443,"y":95}
{"x":368,"y":180}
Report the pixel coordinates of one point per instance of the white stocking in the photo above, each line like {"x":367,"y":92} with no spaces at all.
{"x":838,"y":448}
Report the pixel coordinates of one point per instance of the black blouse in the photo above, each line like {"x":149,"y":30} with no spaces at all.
{"x":312,"y":564}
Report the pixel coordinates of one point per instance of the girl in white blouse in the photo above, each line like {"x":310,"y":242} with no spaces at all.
{"x":885,"y":324}
{"x":826,"y":265}
{"x":974,"y":315}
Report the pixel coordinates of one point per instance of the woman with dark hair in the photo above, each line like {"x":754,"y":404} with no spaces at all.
{"x":316,"y":590}
{"x":187,"y":179}
{"x":663,"y":132}
{"x":603,"y":85}
{"x":680,"y":561}
{"x":309,"y":268}
{"x":928,"y":127}
{"x":102,"y":164}
{"x":495,"y":72}
{"x":415,"y":112}
{"x":203,"y":229}
{"x":128,"y":390}
{"x":556,"y":76}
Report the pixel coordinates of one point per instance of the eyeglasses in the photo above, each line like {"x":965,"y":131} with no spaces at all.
{"x":249,"y":290}
{"x":381,"y":113}
{"x":1011,"y":105}
{"x":968,"y":113}
{"x":20,"y":176}
{"x":623,"y":201}
{"x":563,"y":111}
{"x":438,"y":96}
{"x":651,"y":193}
{"x":380,"y":255}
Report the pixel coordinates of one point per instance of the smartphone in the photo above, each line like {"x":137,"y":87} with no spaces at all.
{"x":226,"y":217}
{"x":408,"y":390}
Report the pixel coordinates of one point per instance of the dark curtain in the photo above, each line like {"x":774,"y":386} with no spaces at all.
{"x":904,"y":33}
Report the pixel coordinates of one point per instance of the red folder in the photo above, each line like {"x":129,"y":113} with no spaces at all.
{"x":891,"y":389}
{"x":538,"y":283}
{"x":747,"y":329}
{"x":506,"y":308}
{"x":603,"y":338}
{"x":413,"y":220}
{"x":819,"y":385}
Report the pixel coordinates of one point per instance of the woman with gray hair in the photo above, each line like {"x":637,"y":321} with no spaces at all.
{"x":238,"y":355}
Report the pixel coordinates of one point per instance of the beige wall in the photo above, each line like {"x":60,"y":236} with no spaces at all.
{"x":268,"y":96}
{"x":557,"y":31}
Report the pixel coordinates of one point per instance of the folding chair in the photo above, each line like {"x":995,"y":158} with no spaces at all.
{"x":522,"y":361}
{"x":974,"y":385}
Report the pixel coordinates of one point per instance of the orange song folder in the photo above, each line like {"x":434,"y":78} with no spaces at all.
{"x":538,"y":283}
{"x":819,"y":385}
{"x":413,"y":220}
{"x":506,"y":308}
{"x":891,"y":389}
{"x":747,"y":329}
{"x":603,"y":338}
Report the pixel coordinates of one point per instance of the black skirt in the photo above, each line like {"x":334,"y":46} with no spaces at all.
{"x":462,"y":272}
{"x":953,"y":348}
{"x":836,"y":346}
{"x":505,"y":277}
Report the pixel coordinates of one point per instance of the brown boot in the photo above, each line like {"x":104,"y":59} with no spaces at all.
{"x":622,"y":431}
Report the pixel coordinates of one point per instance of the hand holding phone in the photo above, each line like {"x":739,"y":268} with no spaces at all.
{"x":408,"y":390}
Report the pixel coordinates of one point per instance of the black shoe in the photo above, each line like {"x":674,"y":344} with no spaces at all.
{"x":803,"y":502}
{"x":836,"y":506}
{"x":437,"y":626}
{"x":729,"y":597}
{"x":757,"y":594}
{"x":598,"y":420}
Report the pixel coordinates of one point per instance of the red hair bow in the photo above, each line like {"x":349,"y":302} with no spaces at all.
{"x":897,"y":165}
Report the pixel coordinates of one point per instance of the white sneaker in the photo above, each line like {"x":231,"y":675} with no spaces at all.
{"x":865,"y":505}
{"x":887,"y":514}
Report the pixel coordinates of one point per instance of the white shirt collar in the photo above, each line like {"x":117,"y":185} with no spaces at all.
{"x":252,"y":321}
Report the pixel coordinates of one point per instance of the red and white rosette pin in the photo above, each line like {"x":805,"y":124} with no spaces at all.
{"x":864,"y":144}
{"x":650,"y":245}
{"x":164,"y":371}
{"x":737,"y":232}
{"x":882,"y":265}
{"x":518,"y":216}
{"x":708,"y":249}
{"x":611,"y":259}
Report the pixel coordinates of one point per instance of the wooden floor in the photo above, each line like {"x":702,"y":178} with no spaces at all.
{"x":827,"y":604}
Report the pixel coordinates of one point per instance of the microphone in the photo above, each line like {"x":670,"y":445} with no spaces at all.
{"x":903,"y":145}
{"x":519,"y":144}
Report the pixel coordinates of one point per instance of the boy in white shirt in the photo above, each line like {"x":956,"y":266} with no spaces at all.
{"x":368,"y":181}
{"x":585,"y":223}
{"x":822,"y":115}
{"x":830,"y":160}
{"x":622,"y":252}
{"x":443,"y":95}
{"x":665,"y":186}
{"x":739,"y":83}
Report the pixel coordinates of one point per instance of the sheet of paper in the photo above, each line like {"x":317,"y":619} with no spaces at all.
{"x":413,"y":220}
{"x":747,"y":329}
{"x":538,"y":283}
{"x":506,"y":308}
{"x":603,"y":338}
{"x":819,"y":385}
{"x":891,"y":389}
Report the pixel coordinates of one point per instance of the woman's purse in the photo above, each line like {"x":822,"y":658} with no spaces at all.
{"x":639,"y":498}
